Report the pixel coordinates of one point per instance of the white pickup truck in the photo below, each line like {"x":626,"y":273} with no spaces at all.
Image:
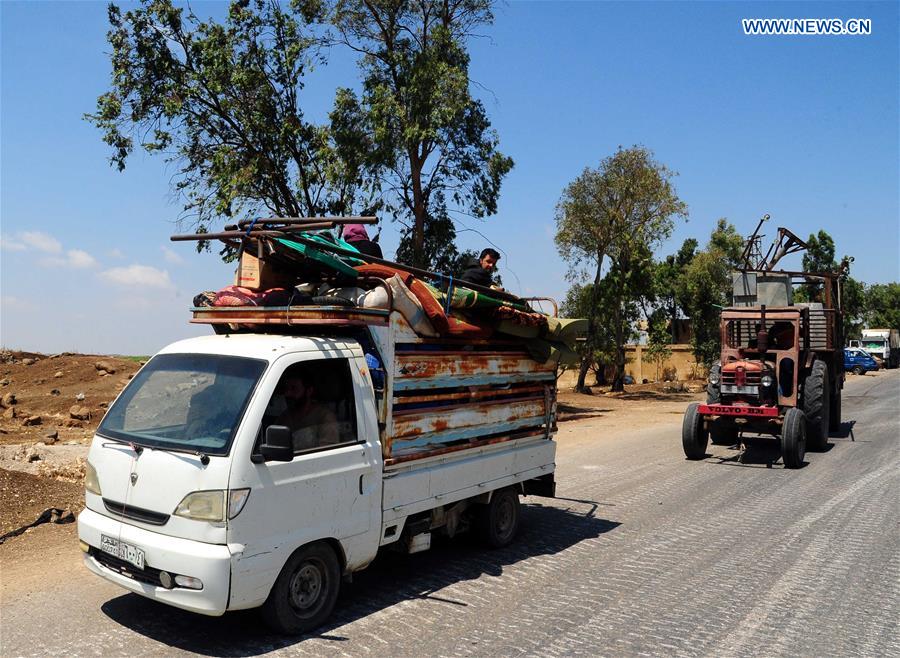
{"x":256,"y":470}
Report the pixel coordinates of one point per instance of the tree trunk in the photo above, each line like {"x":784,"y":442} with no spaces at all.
{"x":618,"y":383}
{"x":582,"y":374}
{"x":419,"y":211}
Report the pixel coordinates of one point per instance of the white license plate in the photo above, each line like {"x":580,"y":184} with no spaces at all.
{"x":122,"y":550}
{"x":742,"y":390}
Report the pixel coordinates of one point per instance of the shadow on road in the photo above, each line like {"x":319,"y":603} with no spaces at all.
{"x":568,"y":412}
{"x":391,"y":579}
{"x":845,"y":431}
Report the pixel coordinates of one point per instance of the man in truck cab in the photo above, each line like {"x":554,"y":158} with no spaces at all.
{"x":311,"y":422}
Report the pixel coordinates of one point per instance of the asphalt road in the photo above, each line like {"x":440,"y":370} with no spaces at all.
{"x":644,"y":553}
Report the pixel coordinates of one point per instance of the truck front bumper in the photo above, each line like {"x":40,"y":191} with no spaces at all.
{"x":211,"y":563}
{"x":737,"y":410}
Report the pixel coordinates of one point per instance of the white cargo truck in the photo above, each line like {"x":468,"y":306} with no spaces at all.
{"x":205,"y":490}
{"x":883,"y":344}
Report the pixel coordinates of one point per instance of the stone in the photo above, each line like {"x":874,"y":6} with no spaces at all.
{"x":10,"y":413}
{"x":103,"y":405}
{"x":8,"y":399}
{"x":102,"y":373}
{"x":79,"y":397}
{"x":32,"y":420}
{"x":27,"y":361}
{"x":54,"y":391}
{"x":58,"y":374}
{"x":5,"y":381}
{"x":51,"y":436}
{"x":71,"y":422}
{"x":79,"y":413}
{"x":33,"y":454}
{"x":105,"y":366}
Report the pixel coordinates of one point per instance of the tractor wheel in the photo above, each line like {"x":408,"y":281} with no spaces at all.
{"x":834,"y":414}
{"x":793,"y":438}
{"x":858,"y":370}
{"x":693,"y":435}
{"x":723,"y":436}
{"x":816,"y":406}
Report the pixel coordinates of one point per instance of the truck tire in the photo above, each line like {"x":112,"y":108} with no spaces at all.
{"x":714,"y":392}
{"x":305,"y":592}
{"x":498,"y":521}
{"x":834,"y":414}
{"x":693,"y":436}
{"x":858,"y":370}
{"x":816,"y":406}
{"x":723,"y":436}
{"x":793,"y":438}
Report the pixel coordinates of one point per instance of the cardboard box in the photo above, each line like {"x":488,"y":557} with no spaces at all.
{"x":257,"y":274}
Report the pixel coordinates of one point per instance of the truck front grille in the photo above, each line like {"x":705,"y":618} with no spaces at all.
{"x":751,"y":378}
{"x":135,"y":513}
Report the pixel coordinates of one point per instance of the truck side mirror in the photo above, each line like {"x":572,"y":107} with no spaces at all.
{"x":278,"y":445}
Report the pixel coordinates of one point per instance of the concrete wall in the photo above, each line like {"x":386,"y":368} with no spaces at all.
{"x":640,"y":367}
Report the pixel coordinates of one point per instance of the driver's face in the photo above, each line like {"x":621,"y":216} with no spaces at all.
{"x":488,"y":262}
{"x":294,"y":389}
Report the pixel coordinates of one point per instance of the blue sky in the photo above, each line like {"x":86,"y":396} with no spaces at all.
{"x":803,"y":128}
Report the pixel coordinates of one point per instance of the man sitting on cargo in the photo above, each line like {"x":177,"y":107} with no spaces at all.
{"x":481,"y":272}
{"x":312,"y":424}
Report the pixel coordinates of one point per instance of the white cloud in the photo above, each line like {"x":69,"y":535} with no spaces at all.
{"x":171,"y":256}
{"x":138,"y":275}
{"x":41,"y":242}
{"x":12,"y":302}
{"x":7,"y":245}
{"x":74,"y":258}
{"x":116,"y":253}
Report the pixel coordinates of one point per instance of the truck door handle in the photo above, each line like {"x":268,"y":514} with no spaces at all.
{"x":361,"y":483}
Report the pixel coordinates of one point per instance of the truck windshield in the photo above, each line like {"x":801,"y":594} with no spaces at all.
{"x":184,"y":402}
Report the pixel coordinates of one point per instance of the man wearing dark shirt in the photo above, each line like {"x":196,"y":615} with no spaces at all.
{"x":481,"y":272}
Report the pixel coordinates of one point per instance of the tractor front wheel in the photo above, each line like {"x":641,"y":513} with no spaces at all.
{"x":693,"y":435}
{"x":793,"y":438}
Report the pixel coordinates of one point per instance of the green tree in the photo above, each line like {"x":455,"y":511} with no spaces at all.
{"x":658,"y":349}
{"x":437,"y":152}
{"x":222,"y":102}
{"x":667,"y":280}
{"x":819,"y":255}
{"x":617,"y":212}
{"x":706,"y":288}
{"x":883,"y":305}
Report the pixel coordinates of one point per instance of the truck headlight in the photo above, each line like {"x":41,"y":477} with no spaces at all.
{"x":210,"y":505}
{"x":203,"y":506}
{"x":767,"y":380}
{"x":714,"y":376}
{"x":91,"y":481}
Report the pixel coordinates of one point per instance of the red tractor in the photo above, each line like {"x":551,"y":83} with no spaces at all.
{"x":781,"y":368}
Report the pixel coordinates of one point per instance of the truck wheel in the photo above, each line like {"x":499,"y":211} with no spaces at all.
{"x":714,"y":392}
{"x":498,"y":521}
{"x":858,"y":370}
{"x":305,"y":592}
{"x":693,"y":436}
{"x":723,"y":436}
{"x":793,"y":438}
{"x":834,"y":414}
{"x":816,"y":406}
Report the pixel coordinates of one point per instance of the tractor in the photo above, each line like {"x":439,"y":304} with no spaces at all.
{"x":781,"y":369}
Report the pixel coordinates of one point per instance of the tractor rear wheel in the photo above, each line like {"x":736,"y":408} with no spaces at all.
{"x":693,"y":435}
{"x":793,"y":438}
{"x":817,"y":405}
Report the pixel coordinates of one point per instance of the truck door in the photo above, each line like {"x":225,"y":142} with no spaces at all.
{"x":331,"y":488}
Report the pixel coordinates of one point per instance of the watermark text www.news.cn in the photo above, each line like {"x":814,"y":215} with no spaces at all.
{"x":807,"y":26}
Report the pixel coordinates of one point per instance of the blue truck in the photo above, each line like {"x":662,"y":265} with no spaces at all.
{"x":858,"y":361}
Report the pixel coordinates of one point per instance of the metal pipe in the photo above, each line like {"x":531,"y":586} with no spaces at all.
{"x":308,"y":220}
